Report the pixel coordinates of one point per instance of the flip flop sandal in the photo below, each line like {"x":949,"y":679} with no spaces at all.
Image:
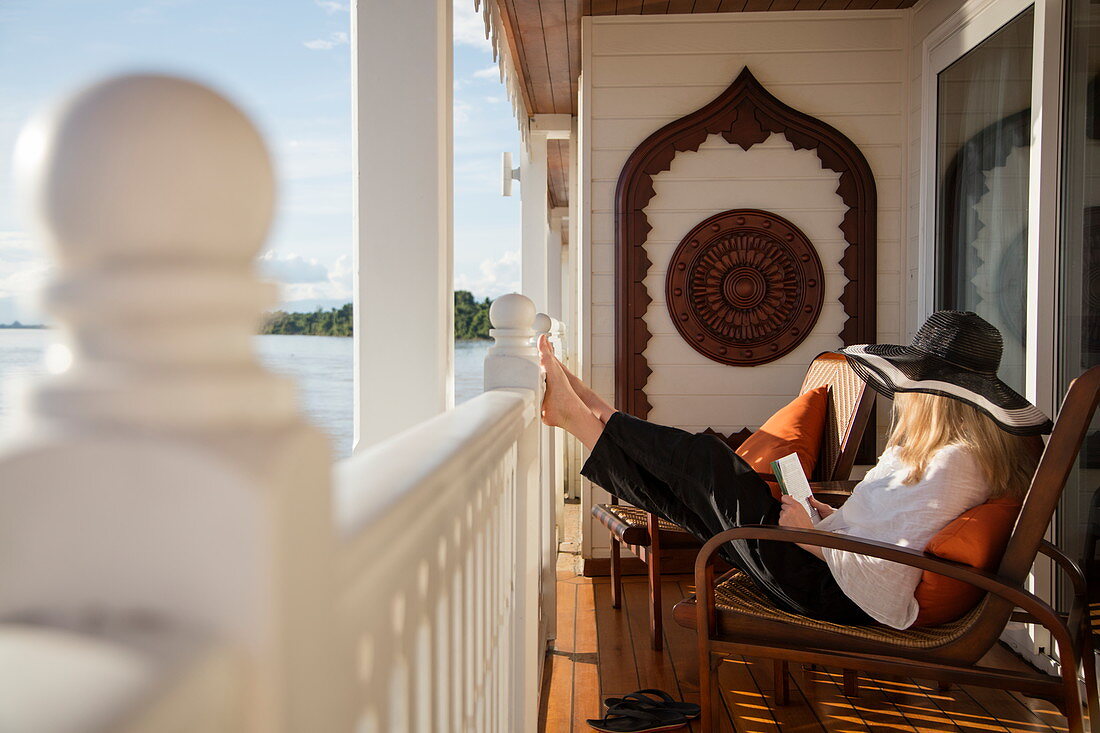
{"x":632,"y":718}
{"x":665,"y":701}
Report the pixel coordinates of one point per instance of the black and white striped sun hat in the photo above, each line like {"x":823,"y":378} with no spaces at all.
{"x":954,"y":354}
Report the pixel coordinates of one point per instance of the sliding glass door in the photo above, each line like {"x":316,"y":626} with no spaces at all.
{"x":983,"y":134}
{"x":1079,"y":268}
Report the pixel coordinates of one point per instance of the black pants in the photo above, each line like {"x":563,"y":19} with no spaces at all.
{"x":696,"y":481}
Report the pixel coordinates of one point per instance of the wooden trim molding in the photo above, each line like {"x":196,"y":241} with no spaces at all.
{"x":744,"y":114}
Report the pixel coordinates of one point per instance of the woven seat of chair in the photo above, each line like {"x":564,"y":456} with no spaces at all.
{"x":639,"y":518}
{"x":738,"y":595}
{"x":629,"y":524}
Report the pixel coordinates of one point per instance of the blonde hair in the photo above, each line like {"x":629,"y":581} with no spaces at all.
{"x":924,"y":423}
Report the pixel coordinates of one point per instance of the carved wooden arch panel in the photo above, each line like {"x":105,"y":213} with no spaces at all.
{"x":745,"y":114}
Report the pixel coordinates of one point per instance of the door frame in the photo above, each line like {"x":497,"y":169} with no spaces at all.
{"x":964,"y":30}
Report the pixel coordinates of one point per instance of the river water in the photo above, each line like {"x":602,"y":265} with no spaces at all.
{"x":321,"y":365}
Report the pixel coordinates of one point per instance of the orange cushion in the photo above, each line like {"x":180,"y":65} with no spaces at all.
{"x":977,"y":538}
{"x":797,"y":428}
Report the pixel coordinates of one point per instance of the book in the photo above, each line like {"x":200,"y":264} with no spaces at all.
{"x":793,"y":482}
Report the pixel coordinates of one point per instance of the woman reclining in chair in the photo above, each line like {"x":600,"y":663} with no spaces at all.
{"x":957,"y":441}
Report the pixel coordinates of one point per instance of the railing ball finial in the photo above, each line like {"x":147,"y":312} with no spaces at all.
{"x":146,"y":166}
{"x":512,"y":311}
{"x":543,"y":323}
{"x":512,"y":360}
{"x":155,"y":193}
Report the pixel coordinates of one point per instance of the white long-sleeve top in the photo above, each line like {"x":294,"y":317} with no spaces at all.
{"x":883,"y":508}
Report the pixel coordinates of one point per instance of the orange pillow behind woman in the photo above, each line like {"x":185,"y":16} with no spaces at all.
{"x":977,"y":538}
{"x":797,"y":428}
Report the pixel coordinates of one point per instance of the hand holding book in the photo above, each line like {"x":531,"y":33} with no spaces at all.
{"x":793,"y":482}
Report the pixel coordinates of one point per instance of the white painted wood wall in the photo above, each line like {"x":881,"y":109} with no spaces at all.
{"x":849,"y":69}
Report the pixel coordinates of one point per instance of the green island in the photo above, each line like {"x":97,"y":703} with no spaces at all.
{"x":471,"y":320}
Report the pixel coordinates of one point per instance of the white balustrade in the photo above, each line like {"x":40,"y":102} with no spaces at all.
{"x":175,"y":555}
{"x":440,"y":575}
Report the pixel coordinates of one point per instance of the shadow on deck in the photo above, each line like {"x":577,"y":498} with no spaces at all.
{"x":602,"y":651}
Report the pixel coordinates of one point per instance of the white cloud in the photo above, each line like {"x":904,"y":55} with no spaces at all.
{"x":462,"y":112}
{"x":469,"y":26}
{"x":291,"y":269}
{"x":302,"y":279}
{"x":24,"y":268}
{"x":330,"y":6}
{"x":496,"y":277}
{"x":489,"y":72}
{"x":339,"y":38}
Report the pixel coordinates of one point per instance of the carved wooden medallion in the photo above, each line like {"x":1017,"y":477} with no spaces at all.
{"x":744,"y":287}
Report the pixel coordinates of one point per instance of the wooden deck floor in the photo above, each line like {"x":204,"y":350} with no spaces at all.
{"x":601,"y":651}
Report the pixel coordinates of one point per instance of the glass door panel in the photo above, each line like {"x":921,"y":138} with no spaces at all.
{"x":983,"y":118}
{"x":1079,"y":270}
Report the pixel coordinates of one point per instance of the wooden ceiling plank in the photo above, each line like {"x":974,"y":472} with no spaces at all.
{"x":602,"y":7}
{"x":705,"y":6}
{"x":556,"y":42}
{"x":834,"y":4}
{"x":629,"y":7}
{"x":755,"y":5}
{"x":654,"y":7}
{"x":783,"y":4}
{"x":809,"y":4}
{"x":733,"y":6}
{"x":529,"y":22}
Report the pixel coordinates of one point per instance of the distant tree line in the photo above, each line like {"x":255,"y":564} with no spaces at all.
{"x":471,"y":320}
{"x":471,"y":316}
{"x":333,"y":322}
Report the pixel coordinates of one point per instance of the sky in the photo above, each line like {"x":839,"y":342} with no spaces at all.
{"x":287,"y":64}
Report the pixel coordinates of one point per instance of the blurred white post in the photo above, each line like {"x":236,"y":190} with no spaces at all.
{"x":163,"y":493}
{"x":402,"y":122}
{"x":511,"y":363}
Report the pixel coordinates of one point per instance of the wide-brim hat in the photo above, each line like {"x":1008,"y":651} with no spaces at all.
{"x":955,"y":354}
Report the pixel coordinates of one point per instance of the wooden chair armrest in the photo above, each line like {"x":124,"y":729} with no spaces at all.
{"x":833,"y":493}
{"x":1014,"y":593}
{"x":1068,"y":566}
{"x":834,"y":487}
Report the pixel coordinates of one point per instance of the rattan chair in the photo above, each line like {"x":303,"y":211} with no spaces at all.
{"x":734,"y":618}
{"x":667,"y":547}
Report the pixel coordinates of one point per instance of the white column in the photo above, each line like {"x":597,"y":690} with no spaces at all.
{"x":536,"y":253}
{"x":555,"y":240}
{"x":535,"y":214}
{"x":402,"y":118}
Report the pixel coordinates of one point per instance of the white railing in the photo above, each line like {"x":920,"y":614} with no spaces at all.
{"x":440,"y":571}
{"x":174,"y":556}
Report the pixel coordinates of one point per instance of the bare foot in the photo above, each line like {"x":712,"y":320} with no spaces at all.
{"x":561,"y":407}
{"x":598,"y":405}
{"x":560,"y":404}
